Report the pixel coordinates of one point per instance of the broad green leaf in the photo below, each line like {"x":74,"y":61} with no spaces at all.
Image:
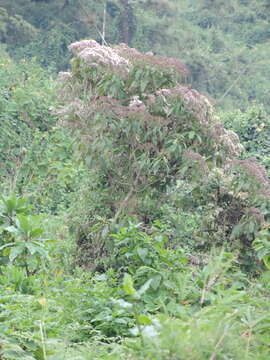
{"x":15,"y":251}
{"x":144,"y":320}
{"x":6,"y":246}
{"x":36,"y":232}
{"x":128,"y":285}
{"x":24,"y":224}
{"x":142,"y":253}
{"x":266,"y":260}
{"x":122,"y":303}
{"x":156,"y":280}
{"x":11,"y":229}
{"x":145,"y":287}
{"x":42,"y":252}
{"x":32,"y":248}
{"x":10,"y":205}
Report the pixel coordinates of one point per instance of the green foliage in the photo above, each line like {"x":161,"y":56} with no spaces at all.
{"x":21,"y":235}
{"x":143,"y":255}
{"x":50,"y":48}
{"x":36,"y":155}
{"x":14,"y":30}
{"x":262,"y":246}
{"x":47,"y":175}
{"x":226,"y":50}
{"x":134,"y":248}
{"x":26,"y":93}
{"x":253,"y":129}
{"x":93,"y":312}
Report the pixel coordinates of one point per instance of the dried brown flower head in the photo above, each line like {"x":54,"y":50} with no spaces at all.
{"x":194,"y":103}
{"x":198,"y":159}
{"x":148,"y":58}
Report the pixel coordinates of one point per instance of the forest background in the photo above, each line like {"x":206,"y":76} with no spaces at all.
{"x":225,"y":44}
{"x":191,"y":234}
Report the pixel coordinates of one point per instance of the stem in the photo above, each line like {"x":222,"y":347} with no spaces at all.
{"x":232,"y":85}
{"x":42,"y":340}
{"x":138,"y":324}
{"x":214,"y":354}
{"x":87,"y":14}
{"x":26,"y":266}
{"x":248,"y":343}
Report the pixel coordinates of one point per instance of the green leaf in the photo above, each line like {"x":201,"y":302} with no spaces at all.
{"x":156,"y":280}
{"x":10,"y":205}
{"x":142,"y":253}
{"x":144,"y":320}
{"x":36,"y":232}
{"x":32,"y":248}
{"x":6,"y":251}
{"x":128,"y":285}
{"x":42,"y":252}
{"x":145,"y":287}
{"x":144,"y":84}
{"x":266,"y":260}
{"x":6,"y":246}
{"x":11,"y":229}
{"x":15,"y":251}
{"x":24,"y":223}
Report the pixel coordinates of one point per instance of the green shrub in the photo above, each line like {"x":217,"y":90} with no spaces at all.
{"x":26,"y":94}
{"x":21,"y":235}
{"x":253,"y":129}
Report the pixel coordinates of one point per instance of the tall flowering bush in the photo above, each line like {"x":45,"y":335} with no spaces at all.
{"x":143,"y":130}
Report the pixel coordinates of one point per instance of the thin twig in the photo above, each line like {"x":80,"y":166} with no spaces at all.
{"x":220,"y":341}
{"x":42,"y":340}
{"x":208,"y":287}
{"x":232,"y":85}
{"x":88,"y":14}
{"x":248,"y":343}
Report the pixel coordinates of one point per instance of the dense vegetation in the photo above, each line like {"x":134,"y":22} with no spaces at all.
{"x":224,"y":43}
{"x":134,"y":215}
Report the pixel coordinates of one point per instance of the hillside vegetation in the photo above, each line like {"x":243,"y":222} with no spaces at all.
{"x":224,"y":43}
{"x":134,"y":208}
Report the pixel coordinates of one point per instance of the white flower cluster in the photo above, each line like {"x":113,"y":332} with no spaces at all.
{"x":95,"y":54}
{"x":78,"y":46}
{"x":64,"y":76}
{"x":136,"y":102}
{"x":196,"y":103}
{"x":231,"y":140}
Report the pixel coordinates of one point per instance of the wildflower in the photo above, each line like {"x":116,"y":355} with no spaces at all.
{"x":95,"y":54}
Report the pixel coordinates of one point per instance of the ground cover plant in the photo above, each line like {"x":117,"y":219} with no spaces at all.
{"x":135,"y":224}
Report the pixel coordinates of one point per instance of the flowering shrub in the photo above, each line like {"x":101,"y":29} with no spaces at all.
{"x":142,"y":128}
